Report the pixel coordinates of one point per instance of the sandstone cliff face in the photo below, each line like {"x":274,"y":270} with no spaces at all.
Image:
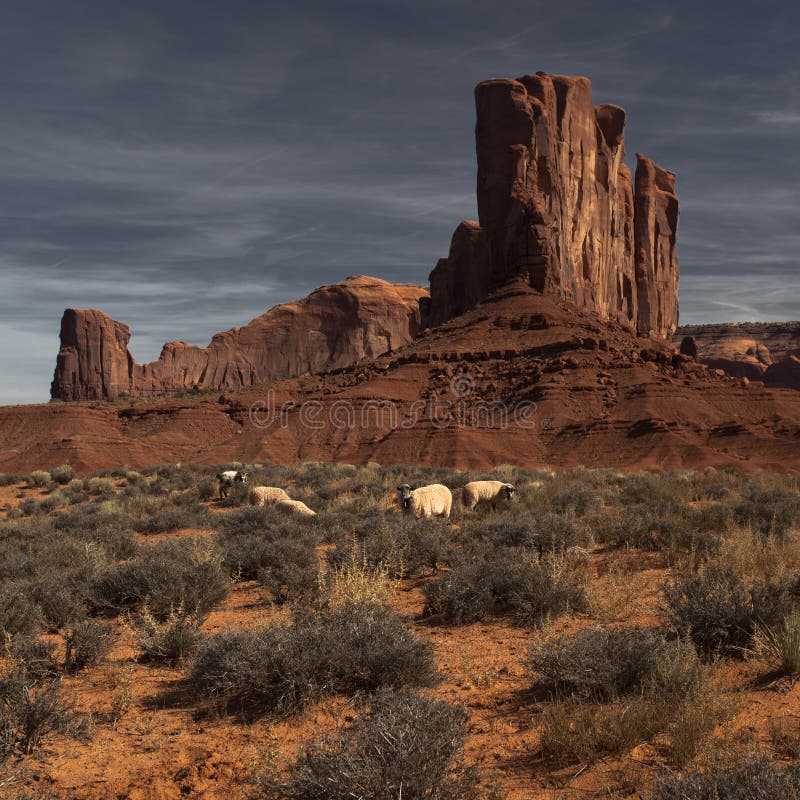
{"x":93,"y":362}
{"x":333,"y":327}
{"x":557,"y":208}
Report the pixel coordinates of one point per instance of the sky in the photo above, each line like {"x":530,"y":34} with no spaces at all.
{"x":184,"y":165}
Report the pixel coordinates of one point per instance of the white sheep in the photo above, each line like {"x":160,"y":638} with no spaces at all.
{"x":267,"y":495}
{"x":228,"y":478}
{"x":493,"y":492}
{"x":295,"y":507}
{"x":425,"y":502}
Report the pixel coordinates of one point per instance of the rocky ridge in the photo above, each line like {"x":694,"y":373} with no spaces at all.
{"x":333,"y":327}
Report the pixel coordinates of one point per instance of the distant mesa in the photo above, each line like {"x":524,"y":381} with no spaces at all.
{"x":758,"y":351}
{"x":333,"y":327}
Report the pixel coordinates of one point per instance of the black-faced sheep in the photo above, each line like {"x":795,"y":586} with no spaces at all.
{"x":493,"y":492}
{"x":425,"y":502}
{"x":227,"y":479}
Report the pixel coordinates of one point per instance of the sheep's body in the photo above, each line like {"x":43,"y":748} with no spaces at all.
{"x":295,"y":507}
{"x":434,"y":500}
{"x":267,"y":495}
{"x":493,"y":492}
{"x":228,"y":478}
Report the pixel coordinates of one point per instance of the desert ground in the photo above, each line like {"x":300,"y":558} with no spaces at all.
{"x":604,"y":634}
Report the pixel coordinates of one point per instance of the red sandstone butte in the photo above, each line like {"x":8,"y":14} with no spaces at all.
{"x":557,"y":209}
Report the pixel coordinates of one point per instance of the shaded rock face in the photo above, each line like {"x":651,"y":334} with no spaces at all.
{"x":460,"y":281}
{"x":784,"y":374}
{"x":333,"y":327}
{"x":557,"y":208}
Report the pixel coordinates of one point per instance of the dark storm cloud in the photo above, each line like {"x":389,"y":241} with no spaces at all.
{"x":185,"y":165}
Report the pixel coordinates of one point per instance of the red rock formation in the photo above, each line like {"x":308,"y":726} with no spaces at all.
{"x":556,"y":205}
{"x":784,"y":374}
{"x":744,"y":349}
{"x":460,"y":281}
{"x":655,"y":233}
{"x":93,"y":362}
{"x":688,"y":347}
{"x":590,"y":393}
{"x":333,"y":327}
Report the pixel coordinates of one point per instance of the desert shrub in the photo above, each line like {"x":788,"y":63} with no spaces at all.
{"x":348,"y":649}
{"x":32,"y":656}
{"x":770,"y":512}
{"x":719,"y":611}
{"x":173,"y":519}
{"x":185,"y":573}
{"x":397,"y":543}
{"x":491,"y":580}
{"x":543,"y":531}
{"x":288,"y":568}
{"x":779,"y":646}
{"x":100,"y":487}
{"x":29,"y":711}
{"x":39,"y":478}
{"x":602,"y":663}
{"x":207,"y":489}
{"x":257,"y":544}
{"x":60,"y":599}
{"x":644,"y":488}
{"x":31,"y":507}
{"x":406,"y":746}
{"x":576,"y":500}
{"x":19,"y":616}
{"x":752,"y":778}
{"x":238,"y":494}
{"x":111,"y":531}
{"x":87,"y":643}
{"x":7,"y":479}
{"x":659,"y":526}
{"x":170,"y":640}
{"x":63,"y":474}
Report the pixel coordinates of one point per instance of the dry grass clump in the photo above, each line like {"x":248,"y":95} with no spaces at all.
{"x":355,"y":581}
{"x":779,"y":646}
{"x":406,"y":746}
{"x":170,"y":640}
